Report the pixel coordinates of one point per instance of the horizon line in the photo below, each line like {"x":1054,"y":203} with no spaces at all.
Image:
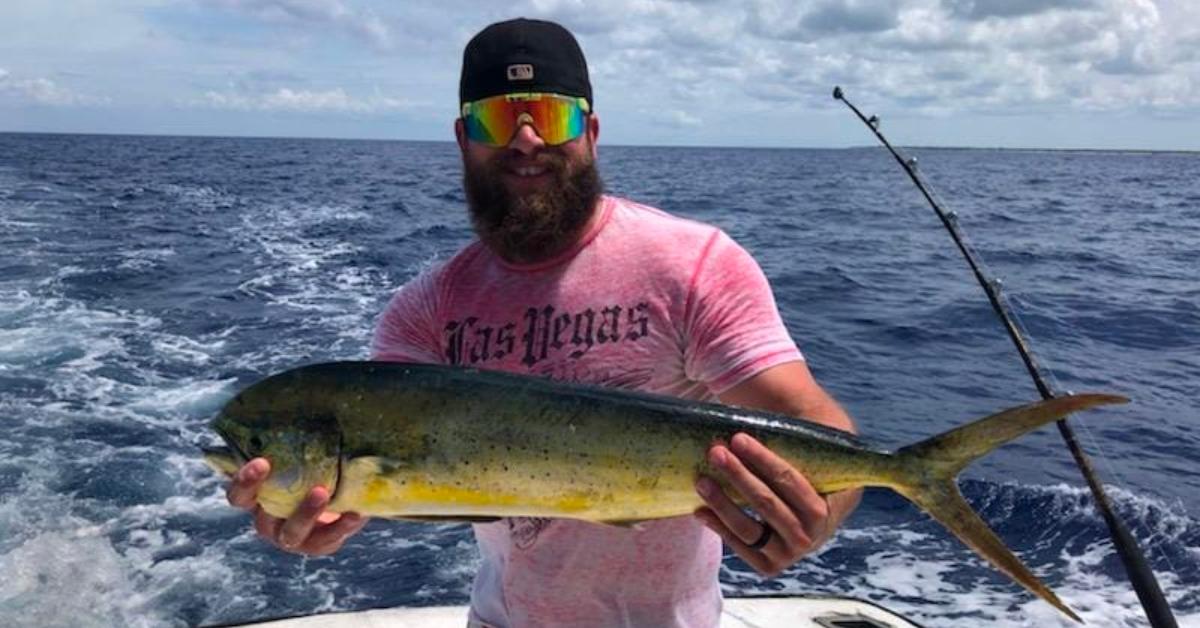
{"x":617,"y":145}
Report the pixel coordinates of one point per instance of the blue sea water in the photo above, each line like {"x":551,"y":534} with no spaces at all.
{"x":144,"y":280}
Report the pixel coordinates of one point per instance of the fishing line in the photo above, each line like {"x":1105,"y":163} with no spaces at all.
{"x":1013,"y":305}
{"x":1137,"y":569}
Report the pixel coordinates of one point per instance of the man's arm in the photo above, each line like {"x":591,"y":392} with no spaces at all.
{"x":801,"y":519}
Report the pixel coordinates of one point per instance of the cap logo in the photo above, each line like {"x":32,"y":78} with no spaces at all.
{"x":520,"y":72}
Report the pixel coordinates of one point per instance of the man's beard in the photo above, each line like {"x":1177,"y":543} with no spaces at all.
{"x":535,"y":226}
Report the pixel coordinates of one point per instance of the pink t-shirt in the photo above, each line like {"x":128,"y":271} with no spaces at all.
{"x":645,"y":301}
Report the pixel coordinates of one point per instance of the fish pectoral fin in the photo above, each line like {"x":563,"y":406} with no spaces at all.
{"x":444,"y":519}
{"x":628,"y":524}
{"x":365,"y":467}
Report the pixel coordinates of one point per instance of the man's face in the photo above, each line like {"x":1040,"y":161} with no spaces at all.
{"x":530,"y":201}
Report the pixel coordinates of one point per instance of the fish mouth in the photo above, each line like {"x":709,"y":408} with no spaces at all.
{"x":241,"y":454}
{"x":225,"y":459}
{"x":221,"y":459}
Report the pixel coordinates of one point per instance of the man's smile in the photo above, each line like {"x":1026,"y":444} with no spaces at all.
{"x":524,"y":177}
{"x":529,"y":171}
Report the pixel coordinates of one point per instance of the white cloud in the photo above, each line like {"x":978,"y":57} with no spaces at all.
{"x":303,"y":101}
{"x":719,"y":63}
{"x":315,"y":14}
{"x":40,"y":91}
{"x":677,"y":118}
{"x":927,"y":56}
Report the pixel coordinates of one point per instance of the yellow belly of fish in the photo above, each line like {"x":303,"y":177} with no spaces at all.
{"x":483,"y":495}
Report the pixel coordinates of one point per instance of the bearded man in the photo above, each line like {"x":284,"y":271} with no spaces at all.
{"x":569,"y":283}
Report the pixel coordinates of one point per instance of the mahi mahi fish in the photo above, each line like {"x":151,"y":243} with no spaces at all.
{"x":430,"y":442}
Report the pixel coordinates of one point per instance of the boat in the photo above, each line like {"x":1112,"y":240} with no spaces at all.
{"x":790,"y":611}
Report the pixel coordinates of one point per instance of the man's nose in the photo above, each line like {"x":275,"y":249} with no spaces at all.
{"x":526,"y":140}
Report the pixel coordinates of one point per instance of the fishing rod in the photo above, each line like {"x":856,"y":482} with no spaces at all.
{"x":1136,"y":568}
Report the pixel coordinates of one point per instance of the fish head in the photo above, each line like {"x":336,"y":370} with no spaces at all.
{"x":302,"y":445}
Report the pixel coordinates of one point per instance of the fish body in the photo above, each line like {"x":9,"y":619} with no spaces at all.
{"x":446,"y":443}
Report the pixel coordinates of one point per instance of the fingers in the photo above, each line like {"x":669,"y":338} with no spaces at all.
{"x":786,"y":482}
{"x":756,"y":559}
{"x":796,"y":514}
{"x":763,"y":500}
{"x":329,"y":538}
{"x":742,"y":527}
{"x":243,"y":491}
{"x":297,"y":528}
{"x":266,"y":525}
{"x":310,"y":530}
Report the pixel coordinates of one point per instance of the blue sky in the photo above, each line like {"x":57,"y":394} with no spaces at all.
{"x":1012,"y":73}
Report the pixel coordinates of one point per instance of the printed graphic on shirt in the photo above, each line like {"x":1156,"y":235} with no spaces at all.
{"x":544,"y":333}
{"x":525,"y":530}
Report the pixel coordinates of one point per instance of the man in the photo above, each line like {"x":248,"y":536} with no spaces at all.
{"x":569,"y":283}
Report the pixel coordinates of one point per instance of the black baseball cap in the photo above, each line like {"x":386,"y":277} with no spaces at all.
{"x":523,"y":55}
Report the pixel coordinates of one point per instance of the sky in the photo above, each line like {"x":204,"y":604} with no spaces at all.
{"x":1100,"y":74}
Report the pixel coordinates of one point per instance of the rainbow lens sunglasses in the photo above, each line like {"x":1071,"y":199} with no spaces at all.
{"x":495,"y":120}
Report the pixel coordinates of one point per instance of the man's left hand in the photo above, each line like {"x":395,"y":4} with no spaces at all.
{"x":796,"y":519}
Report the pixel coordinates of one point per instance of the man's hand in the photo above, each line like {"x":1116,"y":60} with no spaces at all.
{"x":310,"y":530}
{"x":795,"y":518}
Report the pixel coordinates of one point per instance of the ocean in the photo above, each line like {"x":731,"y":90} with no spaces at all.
{"x":145,"y":280}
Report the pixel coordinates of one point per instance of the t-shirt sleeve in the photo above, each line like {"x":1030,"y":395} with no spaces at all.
{"x":733,"y":330}
{"x":407,"y":330}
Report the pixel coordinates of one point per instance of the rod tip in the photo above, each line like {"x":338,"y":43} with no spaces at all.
{"x":837,"y":92}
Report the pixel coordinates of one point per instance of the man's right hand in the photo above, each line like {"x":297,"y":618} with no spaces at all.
{"x":310,"y":530}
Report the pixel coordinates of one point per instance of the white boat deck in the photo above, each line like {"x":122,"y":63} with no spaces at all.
{"x":747,"y":612}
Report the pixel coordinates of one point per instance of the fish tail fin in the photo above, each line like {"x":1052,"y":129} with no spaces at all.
{"x":930,"y":466}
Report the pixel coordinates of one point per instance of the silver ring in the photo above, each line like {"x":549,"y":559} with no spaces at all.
{"x":764,"y":538}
